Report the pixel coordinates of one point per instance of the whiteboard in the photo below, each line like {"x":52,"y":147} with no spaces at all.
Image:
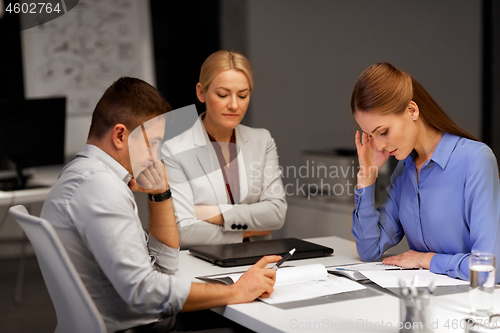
{"x":81,"y":53}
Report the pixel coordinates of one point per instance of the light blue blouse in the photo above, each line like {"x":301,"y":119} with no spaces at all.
{"x":453,"y":209}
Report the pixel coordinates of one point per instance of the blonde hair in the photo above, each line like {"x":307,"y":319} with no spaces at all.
{"x":222,"y":61}
{"x":384,"y":89}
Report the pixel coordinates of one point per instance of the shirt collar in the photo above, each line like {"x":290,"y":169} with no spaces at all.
{"x":91,"y":151}
{"x":441,"y":155}
{"x":200,"y":134}
{"x":232,"y":140}
{"x":445,"y":148}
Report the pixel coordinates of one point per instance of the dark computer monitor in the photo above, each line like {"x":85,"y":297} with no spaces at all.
{"x":32,"y":134}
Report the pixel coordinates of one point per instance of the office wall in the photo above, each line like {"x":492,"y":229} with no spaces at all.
{"x":306,"y":56}
{"x":491,"y":58}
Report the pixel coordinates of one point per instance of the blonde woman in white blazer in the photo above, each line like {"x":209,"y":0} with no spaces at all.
{"x":225,"y":177}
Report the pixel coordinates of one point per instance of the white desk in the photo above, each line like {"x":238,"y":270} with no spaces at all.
{"x":379,"y":313}
{"x":46,"y":176}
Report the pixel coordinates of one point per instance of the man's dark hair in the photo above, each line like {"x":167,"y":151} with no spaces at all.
{"x":128,"y":101}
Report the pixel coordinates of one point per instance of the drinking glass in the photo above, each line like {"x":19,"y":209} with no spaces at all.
{"x":482,"y":283}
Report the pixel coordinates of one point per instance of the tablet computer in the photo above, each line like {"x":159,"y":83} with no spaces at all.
{"x":248,"y":253}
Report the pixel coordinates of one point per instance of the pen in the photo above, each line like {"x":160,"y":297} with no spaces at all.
{"x":414,"y":286}
{"x":285,"y":258}
{"x":147,"y":143}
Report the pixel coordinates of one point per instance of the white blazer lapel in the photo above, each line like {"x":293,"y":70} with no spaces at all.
{"x":243,"y":169}
{"x":210,"y":164}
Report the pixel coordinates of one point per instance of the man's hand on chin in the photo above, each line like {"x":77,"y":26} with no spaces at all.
{"x":152,"y":180}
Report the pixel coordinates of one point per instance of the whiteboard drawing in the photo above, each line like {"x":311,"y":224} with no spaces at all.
{"x":81,"y":53}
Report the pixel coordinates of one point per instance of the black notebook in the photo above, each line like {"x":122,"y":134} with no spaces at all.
{"x":248,"y":253}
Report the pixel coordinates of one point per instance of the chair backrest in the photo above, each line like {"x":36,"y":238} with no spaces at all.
{"x":75,"y":310}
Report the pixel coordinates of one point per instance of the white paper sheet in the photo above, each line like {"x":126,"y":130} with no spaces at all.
{"x":353,"y":271}
{"x":299,"y":283}
{"x":390,"y":279}
{"x":287,"y":274}
{"x":299,"y":291}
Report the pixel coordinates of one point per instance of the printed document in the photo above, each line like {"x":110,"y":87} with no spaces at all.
{"x":298,"y":283}
{"x":390,"y":279}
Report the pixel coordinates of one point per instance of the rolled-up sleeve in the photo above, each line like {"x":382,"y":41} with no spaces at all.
{"x":176,"y":298}
{"x":164,"y":258}
{"x":113,"y":233}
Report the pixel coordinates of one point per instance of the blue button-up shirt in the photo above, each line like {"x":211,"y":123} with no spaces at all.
{"x":452,"y":208}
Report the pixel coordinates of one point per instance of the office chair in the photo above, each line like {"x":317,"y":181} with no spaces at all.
{"x":75,"y":310}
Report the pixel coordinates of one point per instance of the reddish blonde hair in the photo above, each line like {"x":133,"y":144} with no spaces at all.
{"x":384,"y":89}
{"x":222,"y":61}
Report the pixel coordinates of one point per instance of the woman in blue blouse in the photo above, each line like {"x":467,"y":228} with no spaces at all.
{"x":444,"y":194}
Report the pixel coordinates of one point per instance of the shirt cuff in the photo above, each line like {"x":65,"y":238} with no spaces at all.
{"x":176,"y":299}
{"x":163,"y":256}
{"x":439,"y":263}
{"x":364,"y":197}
